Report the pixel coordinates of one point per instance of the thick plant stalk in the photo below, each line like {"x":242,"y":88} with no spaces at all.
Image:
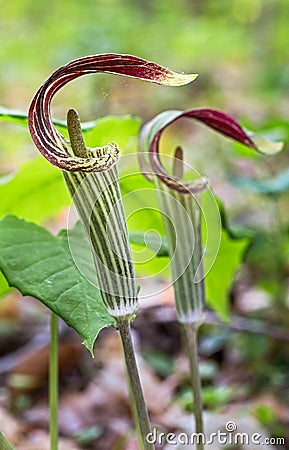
{"x":141,"y":413}
{"x":191,"y":335}
{"x":53,"y":382}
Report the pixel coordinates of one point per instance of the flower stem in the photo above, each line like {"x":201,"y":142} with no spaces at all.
{"x":4,"y":443}
{"x":191,"y":334}
{"x":53,"y":382}
{"x":141,"y":413}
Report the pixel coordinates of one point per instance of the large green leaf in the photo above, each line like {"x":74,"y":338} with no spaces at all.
{"x":39,"y":264}
{"x":123,"y":130}
{"x":233,"y":241}
{"x":143,"y":216}
{"x":155,"y":242}
{"x":35,"y":192}
{"x":76,"y":242}
{"x":98,"y":132}
{"x":4,"y":286}
{"x":19,"y":117}
{"x":220,"y":278}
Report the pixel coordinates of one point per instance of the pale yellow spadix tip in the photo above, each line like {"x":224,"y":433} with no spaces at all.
{"x":179,"y":79}
{"x":264,"y":145}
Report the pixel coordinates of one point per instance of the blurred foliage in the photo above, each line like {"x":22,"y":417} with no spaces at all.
{"x":213,"y":397}
{"x":162,"y":363}
{"x":208,"y":37}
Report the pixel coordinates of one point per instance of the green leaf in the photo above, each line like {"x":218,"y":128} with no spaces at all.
{"x":123,"y":130}
{"x":220,"y":278}
{"x":39,"y":264}
{"x":35,"y":192}
{"x":82,"y":252}
{"x":143,"y":215}
{"x":76,"y":242}
{"x":155,"y":242}
{"x":4,"y":444}
{"x":104,"y":128}
{"x":235,"y":231}
{"x":214,"y":397}
{"x":4,"y":286}
{"x":21,"y":118}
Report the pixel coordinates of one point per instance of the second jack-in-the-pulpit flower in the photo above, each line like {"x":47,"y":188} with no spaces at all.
{"x":180,"y":201}
{"x":180,"y":204}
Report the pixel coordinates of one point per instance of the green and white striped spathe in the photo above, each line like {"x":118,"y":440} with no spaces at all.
{"x":174,"y":190}
{"x":98,"y":201}
{"x":182,"y":219}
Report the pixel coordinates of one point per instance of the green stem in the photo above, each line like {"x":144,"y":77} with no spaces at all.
{"x":53,"y":382}
{"x":141,"y":413}
{"x":4,"y":443}
{"x":191,"y":334}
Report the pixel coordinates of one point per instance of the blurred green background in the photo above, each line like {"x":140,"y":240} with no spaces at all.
{"x":239,"y":47}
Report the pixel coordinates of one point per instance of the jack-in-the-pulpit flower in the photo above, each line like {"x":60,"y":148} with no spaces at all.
{"x":91,"y":174}
{"x":180,"y":202}
{"x":92,"y":179}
